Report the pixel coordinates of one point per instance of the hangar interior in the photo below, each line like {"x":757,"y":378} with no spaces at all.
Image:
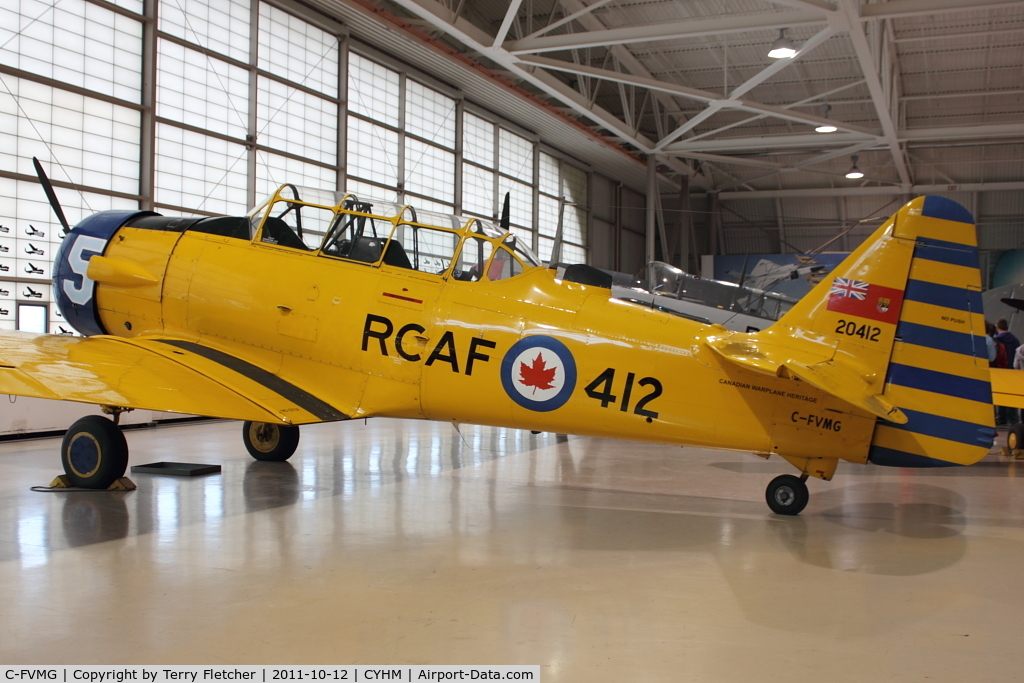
{"x":656,"y":130}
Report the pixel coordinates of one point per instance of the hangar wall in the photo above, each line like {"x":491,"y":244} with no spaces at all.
{"x":779,"y":225}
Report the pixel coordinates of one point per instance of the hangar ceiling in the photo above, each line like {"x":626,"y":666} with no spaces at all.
{"x":926,"y":93}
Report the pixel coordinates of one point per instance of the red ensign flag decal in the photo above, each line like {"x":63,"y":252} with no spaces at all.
{"x":865,"y":300}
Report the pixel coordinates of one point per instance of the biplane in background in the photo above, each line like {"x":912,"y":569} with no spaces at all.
{"x":664,"y":287}
{"x":405,"y":313}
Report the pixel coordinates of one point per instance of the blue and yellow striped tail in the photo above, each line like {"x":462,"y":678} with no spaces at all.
{"x":938,"y":374}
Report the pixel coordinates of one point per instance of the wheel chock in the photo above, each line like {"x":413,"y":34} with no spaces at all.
{"x":62,"y":483}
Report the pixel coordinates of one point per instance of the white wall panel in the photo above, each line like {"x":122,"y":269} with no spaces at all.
{"x":548,"y":175}
{"x":547,"y":221}
{"x":429,"y":170}
{"x":515,"y":156}
{"x":75,"y":42}
{"x":520,"y":202}
{"x":372,"y":90}
{"x":372,"y":152}
{"x":274,"y":170}
{"x":298,"y":51}
{"x":478,"y":140}
{"x":218,"y":25}
{"x":478,"y":190}
{"x":429,"y":114}
{"x":201,"y":91}
{"x":199,"y":172}
{"x":97,"y":143}
{"x":292,"y":120}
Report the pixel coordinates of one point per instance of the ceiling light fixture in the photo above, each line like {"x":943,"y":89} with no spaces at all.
{"x":854,"y":173}
{"x":782,"y":48}
{"x":826,"y":127}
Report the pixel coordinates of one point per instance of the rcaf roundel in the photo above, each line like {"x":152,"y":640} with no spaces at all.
{"x":539,"y":373}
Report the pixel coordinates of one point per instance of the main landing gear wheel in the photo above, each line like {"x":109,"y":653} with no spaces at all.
{"x":787,"y":495}
{"x":94,"y":453}
{"x":270,"y":442}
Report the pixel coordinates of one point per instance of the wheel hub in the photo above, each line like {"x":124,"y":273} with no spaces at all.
{"x":265,"y":437}
{"x":84,"y":455}
{"x":785,"y":495}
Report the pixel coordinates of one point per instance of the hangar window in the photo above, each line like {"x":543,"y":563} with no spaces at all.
{"x":32,"y":318}
{"x":558,"y":181}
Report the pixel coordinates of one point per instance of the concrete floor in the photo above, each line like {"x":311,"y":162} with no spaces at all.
{"x":399,"y":542}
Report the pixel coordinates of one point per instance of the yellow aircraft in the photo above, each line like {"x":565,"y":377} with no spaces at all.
{"x":404,"y":313}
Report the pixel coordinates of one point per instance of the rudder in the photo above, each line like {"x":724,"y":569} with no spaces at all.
{"x":938,"y":374}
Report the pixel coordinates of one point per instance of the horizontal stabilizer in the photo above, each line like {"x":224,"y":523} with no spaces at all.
{"x":828,"y":375}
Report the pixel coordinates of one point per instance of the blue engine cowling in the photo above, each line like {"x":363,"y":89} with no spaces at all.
{"x":73,"y":291}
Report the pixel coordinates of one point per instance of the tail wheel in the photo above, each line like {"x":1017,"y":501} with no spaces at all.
{"x":787,"y":495}
{"x":1015,"y":437}
{"x":94,"y":453}
{"x":270,"y":442}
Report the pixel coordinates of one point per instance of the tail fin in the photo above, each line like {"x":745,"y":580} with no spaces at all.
{"x":904,"y":311}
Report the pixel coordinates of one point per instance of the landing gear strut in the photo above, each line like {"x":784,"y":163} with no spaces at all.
{"x":270,"y":442}
{"x":787,"y":495}
{"x":94,"y":453}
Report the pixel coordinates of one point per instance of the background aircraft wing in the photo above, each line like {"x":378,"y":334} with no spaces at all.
{"x":153,"y":374}
{"x":1007,"y":387}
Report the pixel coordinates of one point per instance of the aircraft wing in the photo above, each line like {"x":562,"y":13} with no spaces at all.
{"x":829,"y":374}
{"x":152,"y":374}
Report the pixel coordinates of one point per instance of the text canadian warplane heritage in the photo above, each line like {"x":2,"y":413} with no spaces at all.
{"x":404,"y":313}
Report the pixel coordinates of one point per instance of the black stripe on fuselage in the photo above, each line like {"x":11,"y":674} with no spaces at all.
{"x":299,"y":397}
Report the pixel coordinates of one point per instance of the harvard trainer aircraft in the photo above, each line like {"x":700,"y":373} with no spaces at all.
{"x":404,"y":313}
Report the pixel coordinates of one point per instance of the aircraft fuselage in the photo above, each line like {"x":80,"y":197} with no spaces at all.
{"x":530,"y":352}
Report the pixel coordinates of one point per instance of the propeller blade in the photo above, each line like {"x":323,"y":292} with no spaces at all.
{"x":48,"y":189}
{"x":505,"y":220}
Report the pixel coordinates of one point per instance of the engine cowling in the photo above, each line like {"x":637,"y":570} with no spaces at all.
{"x":73,"y":289}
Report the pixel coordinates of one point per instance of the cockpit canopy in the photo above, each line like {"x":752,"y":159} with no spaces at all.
{"x":375,"y":232}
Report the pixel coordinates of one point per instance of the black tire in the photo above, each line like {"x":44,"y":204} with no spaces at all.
{"x":787,"y":495}
{"x":270,"y":442}
{"x":1015,"y":437}
{"x":94,"y":453}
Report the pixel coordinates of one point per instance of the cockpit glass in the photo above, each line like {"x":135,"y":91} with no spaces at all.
{"x":662,"y":278}
{"x":377,"y":207}
{"x":503,"y":265}
{"x":488,"y":229}
{"x":355,"y":236}
{"x":296,"y":225}
{"x":524,"y":252}
{"x":433,"y":218}
{"x":472,"y":259}
{"x":427,"y":249}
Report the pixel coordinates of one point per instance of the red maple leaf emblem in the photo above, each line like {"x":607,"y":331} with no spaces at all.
{"x":537,"y":374}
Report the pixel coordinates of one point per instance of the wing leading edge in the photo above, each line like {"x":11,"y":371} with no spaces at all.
{"x":152,"y":374}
